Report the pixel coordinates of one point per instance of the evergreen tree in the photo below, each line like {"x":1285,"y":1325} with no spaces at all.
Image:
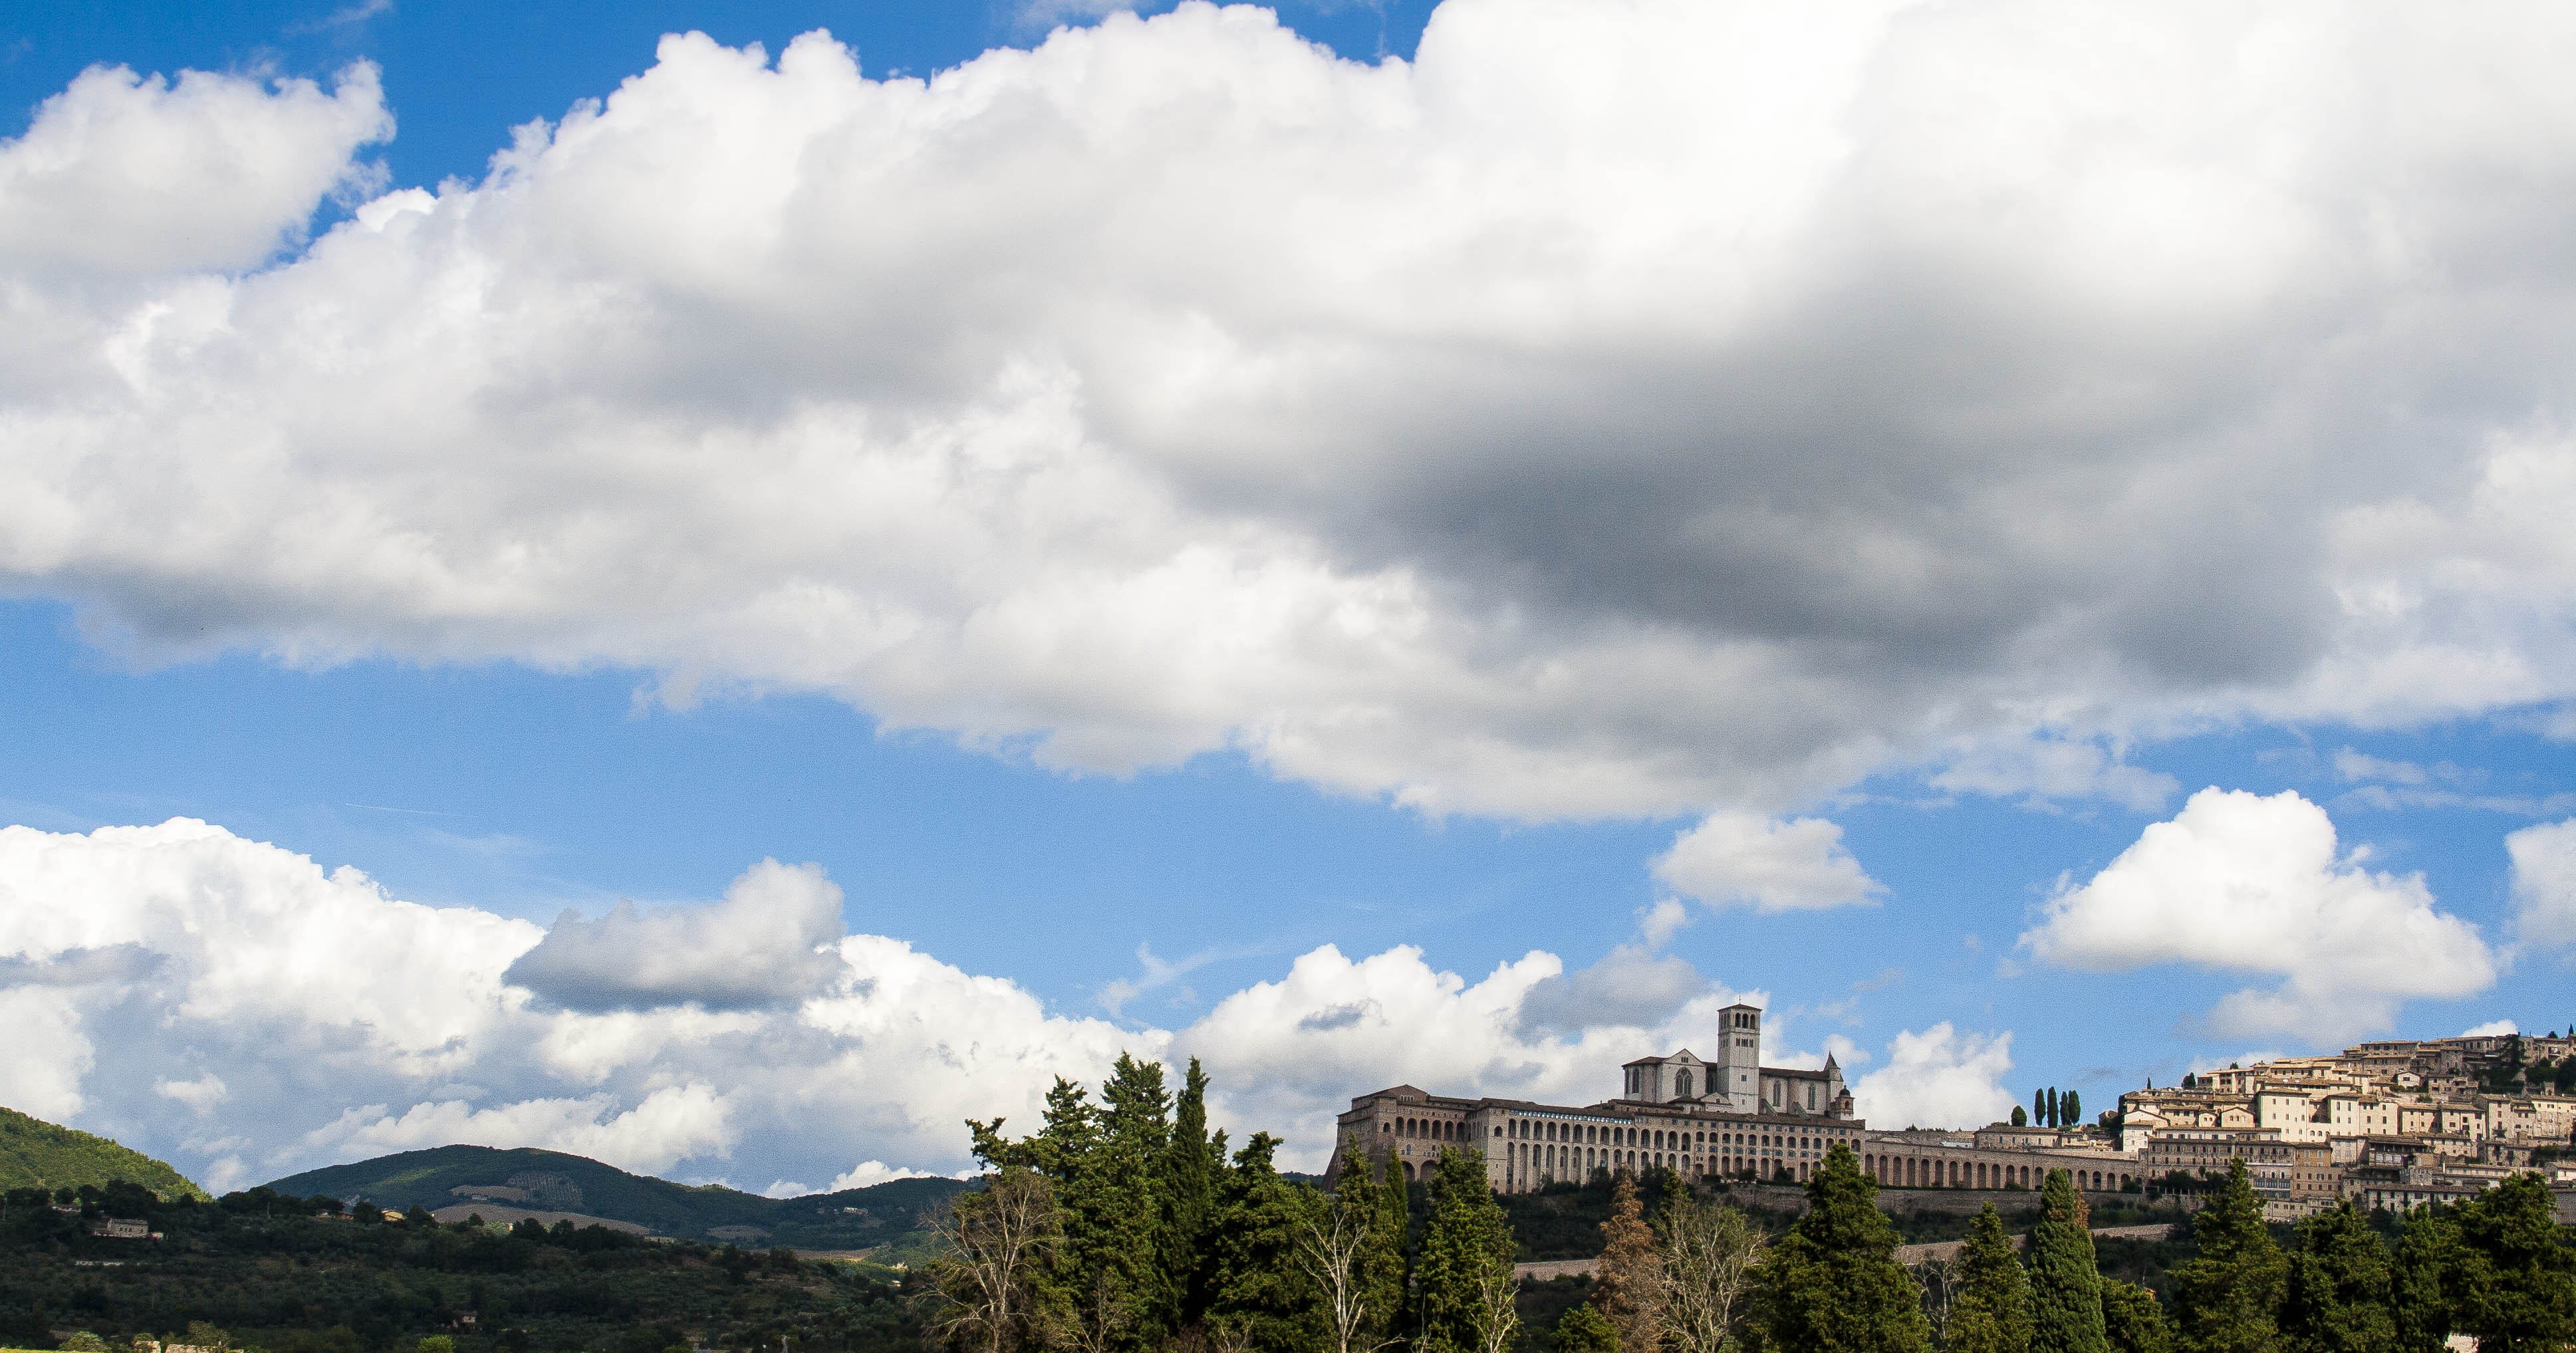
{"x":2065,"y":1287}
{"x":1992,"y":1313}
{"x":1395,"y":1213}
{"x":2053,"y":1120}
{"x":2039,"y":1107}
{"x":2132,"y":1321}
{"x":1627,"y":1282}
{"x":1466,"y":1249}
{"x":1583,"y":1329}
{"x":1191,"y":1164}
{"x":2228,"y":1299}
{"x":1832,"y":1284}
{"x":1348,"y":1252}
{"x":2420,"y":1282}
{"x":1261,"y":1298}
{"x":2337,"y":1299}
{"x":2021,"y":1117}
{"x":2516,"y":1273}
{"x":2070,"y":1109}
{"x":1114,"y":1278}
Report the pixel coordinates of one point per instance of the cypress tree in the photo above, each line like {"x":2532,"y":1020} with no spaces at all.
{"x":1191,"y":1164}
{"x":2039,"y":1107}
{"x":2337,"y":1296}
{"x":2515,"y":1290}
{"x":1832,"y":1284}
{"x":1466,"y":1245}
{"x":1627,"y":1281}
{"x":2053,"y":1120}
{"x":2228,"y":1300}
{"x":1993,"y":1311}
{"x":1395,"y":1214}
{"x":2065,"y":1287}
{"x":2132,"y":1321}
{"x":1261,"y":1297}
{"x":2070,"y":1110}
{"x":1115,"y":1248}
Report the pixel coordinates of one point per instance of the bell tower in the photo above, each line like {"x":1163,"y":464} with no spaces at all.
{"x":1736,"y":1070}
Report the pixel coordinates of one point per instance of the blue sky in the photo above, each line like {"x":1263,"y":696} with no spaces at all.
{"x":1183,"y":494}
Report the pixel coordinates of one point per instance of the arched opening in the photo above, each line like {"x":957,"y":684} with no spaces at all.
{"x":1682,"y":1085}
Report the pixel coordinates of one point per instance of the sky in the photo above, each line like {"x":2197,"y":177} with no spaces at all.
{"x":726,"y":587}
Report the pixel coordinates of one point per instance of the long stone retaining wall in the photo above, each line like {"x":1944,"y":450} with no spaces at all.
{"x":1548,"y":1270}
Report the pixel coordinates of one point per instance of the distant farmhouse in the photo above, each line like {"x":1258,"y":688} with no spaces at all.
{"x":2311,"y":1131}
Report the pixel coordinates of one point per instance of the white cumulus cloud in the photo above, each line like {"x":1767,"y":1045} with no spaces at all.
{"x":2241,"y":882}
{"x":2544,"y":884}
{"x":128,"y":174}
{"x":1628,"y":409}
{"x":1746,"y":859}
{"x":1940,"y":1077}
{"x":766,"y":942}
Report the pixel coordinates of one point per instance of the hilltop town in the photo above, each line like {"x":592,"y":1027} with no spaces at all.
{"x":2387,"y":1125}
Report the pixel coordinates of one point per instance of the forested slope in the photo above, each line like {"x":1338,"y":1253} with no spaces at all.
{"x":38,"y":1154}
{"x":445,"y":1176}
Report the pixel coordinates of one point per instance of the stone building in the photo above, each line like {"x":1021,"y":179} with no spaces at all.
{"x":1721,"y":1116}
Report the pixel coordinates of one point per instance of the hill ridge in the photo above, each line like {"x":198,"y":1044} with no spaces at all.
{"x":536,"y":1179}
{"x":38,"y":1154}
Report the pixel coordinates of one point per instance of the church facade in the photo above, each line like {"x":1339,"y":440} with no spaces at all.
{"x":1725,"y":1115}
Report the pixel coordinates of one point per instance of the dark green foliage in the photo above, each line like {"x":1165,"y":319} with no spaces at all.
{"x":2070,"y":1110}
{"x":1395,"y":1221}
{"x":2515,"y":1289}
{"x":1832,"y":1284}
{"x":2065,"y":1286}
{"x":2049,"y":1116}
{"x":1261,"y":1297}
{"x":1106,"y":1163}
{"x":2225,"y":1300}
{"x":1466,"y":1245}
{"x":2132,"y":1321}
{"x":555,"y":1182}
{"x":2337,"y":1299}
{"x":2020,"y":1118}
{"x":1584,"y":1329}
{"x":282,"y":1280}
{"x":1191,"y":1164}
{"x":1992,"y":1313}
{"x":2039,"y":1107}
{"x":38,"y":1154}
{"x":1380,"y":1276}
{"x":2421,"y":1279}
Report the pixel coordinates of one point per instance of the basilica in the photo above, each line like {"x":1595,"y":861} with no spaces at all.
{"x":1724,"y":1115}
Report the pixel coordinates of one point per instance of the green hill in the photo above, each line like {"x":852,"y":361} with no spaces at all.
{"x":37,"y":1154}
{"x":551,"y":1181}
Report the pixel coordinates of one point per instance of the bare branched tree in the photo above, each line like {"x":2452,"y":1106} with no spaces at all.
{"x":1329,"y":1247}
{"x":1939,"y":1281}
{"x":1708,"y":1254}
{"x":1101,"y":1321}
{"x":1498,"y":1315}
{"x":994,"y":1248}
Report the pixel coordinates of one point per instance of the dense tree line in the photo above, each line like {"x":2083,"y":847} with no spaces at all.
{"x":1123,"y":1226}
{"x":269,"y":1271}
{"x":2499,"y":1268}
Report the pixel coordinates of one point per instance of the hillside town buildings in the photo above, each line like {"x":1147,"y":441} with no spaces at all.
{"x":2391,"y":1124}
